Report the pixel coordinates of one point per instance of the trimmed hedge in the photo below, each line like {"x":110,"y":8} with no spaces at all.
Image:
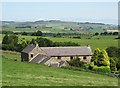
{"x":102,"y":69}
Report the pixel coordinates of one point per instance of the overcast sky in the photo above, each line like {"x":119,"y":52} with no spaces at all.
{"x":105,"y":12}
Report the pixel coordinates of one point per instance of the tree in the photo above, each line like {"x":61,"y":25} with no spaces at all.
{"x":96,"y":34}
{"x":105,"y":33}
{"x":38,"y":33}
{"x":14,"y":39}
{"x":110,"y":33}
{"x":113,"y":65}
{"x":95,"y":56}
{"x":58,"y":35}
{"x":5,"y":39}
{"x":10,"y":42}
{"x":112,"y":52}
{"x":115,"y":33}
{"x":24,"y":33}
{"x":33,"y":34}
{"x":43,"y":42}
{"x":100,"y":61}
{"x":100,"y":58}
{"x":33,"y":41}
{"x":24,"y":44}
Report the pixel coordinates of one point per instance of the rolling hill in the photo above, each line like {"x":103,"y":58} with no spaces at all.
{"x":55,"y":26}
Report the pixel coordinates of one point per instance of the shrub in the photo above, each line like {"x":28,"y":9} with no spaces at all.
{"x":112,"y":51}
{"x":119,"y":71}
{"x":86,"y":66}
{"x":102,"y":69}
{"x":43,"y":42}
{"x":91,"y":65}
{"x":100,"y":58}
{"x":24,"y":33}
{"x":76,"y":62}
{"x":38,"y":33}
{"x":113,"y":65}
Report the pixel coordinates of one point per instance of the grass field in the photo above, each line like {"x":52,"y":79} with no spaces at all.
{"x":44,"y":30}
{"x":29,"y":74}
{"x":94,"y":43}
{"x":11,"y":55}
{"x":103,"y":42}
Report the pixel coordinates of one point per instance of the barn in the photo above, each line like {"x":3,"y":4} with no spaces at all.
{"x":55,"y":56}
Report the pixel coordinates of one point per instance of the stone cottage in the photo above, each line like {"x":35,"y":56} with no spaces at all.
{"x":55,"y":56}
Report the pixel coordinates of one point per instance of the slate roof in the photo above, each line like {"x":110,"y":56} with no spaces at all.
{"x":62,"y":51}
{"x":38,"y":58}
{"x":28,"y":48}
{"x":67,"y":51}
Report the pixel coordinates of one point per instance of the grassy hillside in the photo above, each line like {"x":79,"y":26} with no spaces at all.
{"x":29,"y":74}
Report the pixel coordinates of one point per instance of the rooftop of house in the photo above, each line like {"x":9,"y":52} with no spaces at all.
{"x":29,"y":48}
{"x":67,"y":51}
{"x":62,"y":51}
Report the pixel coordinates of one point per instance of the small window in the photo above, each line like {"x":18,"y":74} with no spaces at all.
{"x":84,"y":57}
{"x":31,"y":55}
{"x":71,"y":57}
{"x":59,"y":57}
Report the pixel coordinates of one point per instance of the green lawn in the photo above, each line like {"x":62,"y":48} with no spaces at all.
{"x":28,"y":74}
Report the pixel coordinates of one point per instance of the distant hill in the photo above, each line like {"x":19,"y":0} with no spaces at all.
{"x":60,"y":26}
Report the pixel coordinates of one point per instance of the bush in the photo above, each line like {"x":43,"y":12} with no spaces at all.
{"x":76,"y":62}
{"x":24,"y":33}
{"x":114,"y":52}
{"x":38,"y":33}
{"x":91,"y":65}
{"x":100,"y":58}
{"x":43,"y":42}
{"x":113,"y":65}
{"x":86,"y":66}
{"x":102,"y":69}
{"x":119,"y":71}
